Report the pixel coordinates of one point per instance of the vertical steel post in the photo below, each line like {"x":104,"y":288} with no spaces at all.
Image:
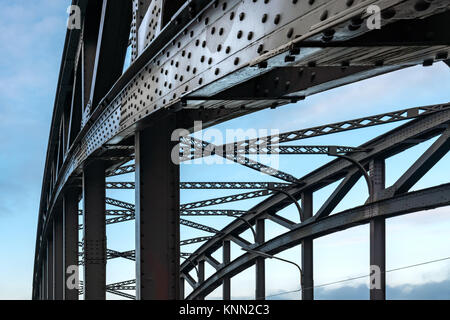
{"x":58,"y":256}
{"x":157,"y":213}
{"x":181,"y":288}
{"x":201,"y":274}
{"x":70,"y":247}
{"x":50,"y":268}
{"x":377,"y":236}
{"x":226,"y":284}
{"x":260,"y":267}
{"x":41,"y":287}
{"x":39,"y":291}
{"x":307,"y":251}
{"x":94,"y":231}
{"x":44,"y":278}
{"x":201,"y":271}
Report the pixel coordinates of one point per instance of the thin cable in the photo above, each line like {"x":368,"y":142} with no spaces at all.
{"x":360,"y":277}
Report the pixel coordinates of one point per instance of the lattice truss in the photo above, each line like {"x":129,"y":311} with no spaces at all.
{"x":353,"y":162}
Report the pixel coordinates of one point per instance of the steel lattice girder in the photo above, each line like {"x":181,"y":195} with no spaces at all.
{"x":113,"y":288}
{"x":184,"y":222}
{"x":206,"y":185}
{"x":253,"y":146}
{"x":207,"y":148}
{"x":122,"y":294}
{"x":386,"y":145}
{"x":111,"y":254}
{"x":130,"y":213}
{"x":198,"y":226}
{"x":226,"y":199}
{"x":120,"y":204}
{"x":131,"y":254}
{"x":120,"y":185}
{"x":411,"y":202}
{"x":113,"y":212}
{"x":288,"y":150}
{"x":194,"y":240}
{"x":231,"y":185}
{"x":124,"y":218}
{"x":121,"y":170}
{"x":123,"y":285}
{"x":218,"y":212}
{"x":203,"y":203}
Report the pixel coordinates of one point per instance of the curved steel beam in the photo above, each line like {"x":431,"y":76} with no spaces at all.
{"x":399,"y":205}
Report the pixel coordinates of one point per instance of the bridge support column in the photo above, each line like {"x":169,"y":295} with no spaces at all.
{"x":58,"y":257}
{"x":50,"y":268}
{"x":226,"y":284}
{"x":157,"y":213}
{"x":94,"y":231}
{"x":377,"y":237}
{"x":307,"y":251}
{"x":70,"y":245}
{"x":260,"y":264}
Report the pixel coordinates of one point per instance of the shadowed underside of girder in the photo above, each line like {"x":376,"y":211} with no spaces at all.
{"x":211,"y":61}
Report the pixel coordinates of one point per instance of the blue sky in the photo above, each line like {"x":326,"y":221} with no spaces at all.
{"x":31,"y":44}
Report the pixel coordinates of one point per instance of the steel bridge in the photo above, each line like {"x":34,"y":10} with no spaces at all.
{"x":211,"y":61}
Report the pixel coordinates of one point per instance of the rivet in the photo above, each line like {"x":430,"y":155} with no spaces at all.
{"x":290,"y":33}
{"x":428,"y":62}
{"x":442,"y":56}
{"x":289,"y":59}
{"x":263,"y":64}
{"x":355,"y":23}
{"x":264,"y":18}
{"x":422,"y":5}
{"x":328,"y":35}
{"x":277,"y":19}
{"x":260,"y":48}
